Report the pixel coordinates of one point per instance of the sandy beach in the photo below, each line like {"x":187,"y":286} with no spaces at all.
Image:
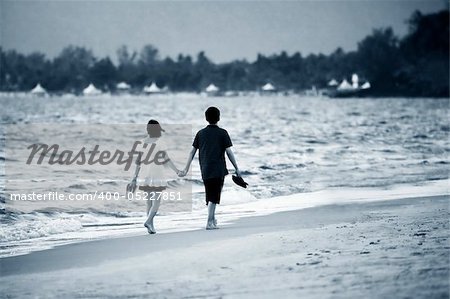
{"x":372,"y":250}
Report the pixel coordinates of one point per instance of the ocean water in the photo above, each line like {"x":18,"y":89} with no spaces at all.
{"x":284,"y":145}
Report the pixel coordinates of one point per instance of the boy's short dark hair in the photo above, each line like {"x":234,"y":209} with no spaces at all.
{"x":212,"y":115}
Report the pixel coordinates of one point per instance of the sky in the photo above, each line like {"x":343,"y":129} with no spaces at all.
{"x":225,"y":30}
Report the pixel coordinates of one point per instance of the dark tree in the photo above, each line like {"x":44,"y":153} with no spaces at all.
{"x":71,"y":69}
{"x":379,"y":59}
{"x":416,"y":65}
{"x":425,"y":51}
{"x":103,"y":74}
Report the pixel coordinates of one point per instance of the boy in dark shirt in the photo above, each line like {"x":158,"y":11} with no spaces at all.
{"x":212,"y":142}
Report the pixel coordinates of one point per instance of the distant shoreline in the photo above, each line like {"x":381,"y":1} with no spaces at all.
{"x":25,"y":94}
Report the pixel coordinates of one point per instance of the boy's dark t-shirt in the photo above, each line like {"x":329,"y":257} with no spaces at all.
{"x":211,"y":142}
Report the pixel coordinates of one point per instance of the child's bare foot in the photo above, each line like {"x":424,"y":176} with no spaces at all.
{"x":211,"y":225}
{"x":150,"y":229}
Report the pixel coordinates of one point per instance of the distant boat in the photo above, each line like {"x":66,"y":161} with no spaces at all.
{"x":366,"y":85}
{"x":355,"y":81}
{"x":344,"y":86}
{"x":91,"y":90}
{"x":38,"y":90}
{"x":345,"y":89}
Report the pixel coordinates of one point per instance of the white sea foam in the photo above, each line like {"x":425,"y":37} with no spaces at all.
{"x":58,"y":229}
{"x":37,"y":226}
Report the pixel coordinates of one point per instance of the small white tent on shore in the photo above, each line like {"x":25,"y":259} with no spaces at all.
{"x":123,"y":86}
{"x":333,"y":82}
{"x":152,"y":88}
{"x":211,"y":88}
{"x":38,"y":90}
{"x":91,"y":90}
{"x":268,"y":87}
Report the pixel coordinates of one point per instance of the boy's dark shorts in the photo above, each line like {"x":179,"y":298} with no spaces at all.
{"x":213,"y":189}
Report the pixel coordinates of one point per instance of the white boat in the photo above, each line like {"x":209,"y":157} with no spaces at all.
{"x":345,"y":89}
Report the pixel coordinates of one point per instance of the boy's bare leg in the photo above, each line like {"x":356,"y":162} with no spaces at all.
{"x":211,"y":216}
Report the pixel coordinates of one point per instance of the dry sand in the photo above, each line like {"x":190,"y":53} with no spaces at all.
{"x":384,"y":249}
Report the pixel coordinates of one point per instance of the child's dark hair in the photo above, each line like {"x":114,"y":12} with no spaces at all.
{"x":154,"y":129}
{"x":212,"y":115}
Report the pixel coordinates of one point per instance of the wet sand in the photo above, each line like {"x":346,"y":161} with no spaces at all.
{"x":383,"y":249}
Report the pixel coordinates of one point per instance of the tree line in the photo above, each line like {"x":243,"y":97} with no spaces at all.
{"x":414,"y":65}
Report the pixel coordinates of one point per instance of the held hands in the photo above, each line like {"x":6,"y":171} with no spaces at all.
{"x":181,"y":173}
{"x":131,"y":187}
{"x":133,"y":182}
